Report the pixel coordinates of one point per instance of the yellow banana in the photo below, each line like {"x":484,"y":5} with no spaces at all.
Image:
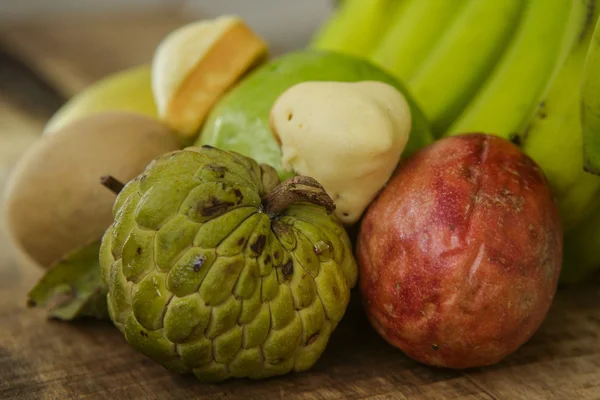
{"x":356,"y":27}
{"x":576,"y":191}
{"x":553,"y":137}
{"x":454,"y":70}
{"x":579,"y":201}
{"x":411,"y":36}
{"x":590,"y":99}
{"x":509,"y":98}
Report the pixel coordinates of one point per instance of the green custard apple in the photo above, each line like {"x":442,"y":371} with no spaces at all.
{"x":216,"y":268}
{"x":240,"y":120}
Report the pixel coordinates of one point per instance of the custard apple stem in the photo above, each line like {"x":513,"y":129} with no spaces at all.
{"x":112,"y":183}
{"x":294,"y":190}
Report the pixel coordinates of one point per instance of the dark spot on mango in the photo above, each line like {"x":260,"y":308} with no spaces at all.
{"x":435,"y":347}
{"x":241,"y":241}
{"x":452,"y":226}
{"x":144,"y":334}
{"x":313,"y":338}
{"x":207,"y":146}
{"x":267,"y":260}
{"x":276,"y":255}
{"x":287,"y":270}
{"x":138,"y":251}
{"x":199,"y":262}
{"x":259,"y":244}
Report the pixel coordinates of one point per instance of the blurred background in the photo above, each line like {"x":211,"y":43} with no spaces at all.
{"x":51,"y":49}
{"x":295,"y":19}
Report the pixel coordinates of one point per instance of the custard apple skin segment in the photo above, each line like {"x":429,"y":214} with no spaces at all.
{"x":203,"y":281}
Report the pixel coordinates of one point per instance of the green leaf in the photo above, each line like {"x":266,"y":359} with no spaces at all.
{"x":72,"y":287}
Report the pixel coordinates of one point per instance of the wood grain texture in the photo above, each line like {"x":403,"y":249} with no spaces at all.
{"x":42,"y":359}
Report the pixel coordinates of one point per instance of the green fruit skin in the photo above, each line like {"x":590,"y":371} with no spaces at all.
{"x":202,"y":281}
{"x":240,"y":120}
{"x":129,"y":90}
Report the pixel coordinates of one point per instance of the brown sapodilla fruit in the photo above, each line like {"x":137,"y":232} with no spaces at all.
{"x":54,"y":200}
{"x":460,"y":254}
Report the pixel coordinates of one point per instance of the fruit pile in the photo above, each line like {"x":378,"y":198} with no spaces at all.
{"x":207,"y":204}
{"x":515,"y":69}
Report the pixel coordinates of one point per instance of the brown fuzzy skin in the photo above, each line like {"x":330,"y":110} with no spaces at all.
{"x":54,"y":200}
{"x":460,"y":254}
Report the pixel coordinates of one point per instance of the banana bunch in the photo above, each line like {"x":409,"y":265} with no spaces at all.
{"x":590,"y":98}
{"x":525,"y":70}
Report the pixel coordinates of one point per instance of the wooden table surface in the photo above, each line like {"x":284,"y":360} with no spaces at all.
{"x":41,"y":65}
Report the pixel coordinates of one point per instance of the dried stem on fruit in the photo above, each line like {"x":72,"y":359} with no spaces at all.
{"x":112,"y":183}
{"x":297,"y":189}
